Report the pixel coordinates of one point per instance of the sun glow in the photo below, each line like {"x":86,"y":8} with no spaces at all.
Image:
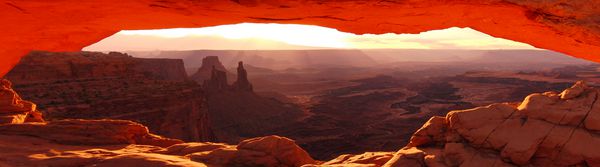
{"x":305,"y":35}
{"x":275,"y":36}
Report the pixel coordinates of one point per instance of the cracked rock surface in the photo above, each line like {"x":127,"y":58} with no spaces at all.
{"x":546,"y":129}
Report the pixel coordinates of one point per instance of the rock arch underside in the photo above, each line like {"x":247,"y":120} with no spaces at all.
{"x":546,"y":129}
{"x":570,"y":27}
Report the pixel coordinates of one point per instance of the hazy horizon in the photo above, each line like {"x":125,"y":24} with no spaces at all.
{"x":251,"y":36}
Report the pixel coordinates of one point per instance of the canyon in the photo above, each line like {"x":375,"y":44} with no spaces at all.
{"x":340,"y":116}
{"x":154,"y":92}
{"x":545,"y":129}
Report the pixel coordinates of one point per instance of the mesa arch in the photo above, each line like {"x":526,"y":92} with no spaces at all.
{"x":571,"y":27}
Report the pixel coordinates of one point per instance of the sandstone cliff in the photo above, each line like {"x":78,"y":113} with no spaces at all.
{"x":205,"y":72}
{"x":92,"y":85}
{"x":13,"y":109}
{"x":77,"y":142}
{"x":236,"y":112}
{"x":242,"y":83}
{"x":567,"y":26}
{"x":546,"y":129}
{"x":45,"y":67}
{"x":110,"y":86}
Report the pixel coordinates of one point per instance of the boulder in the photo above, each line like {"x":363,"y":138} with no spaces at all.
{"x":13,"y":109}
{"x":89,"y":132}
{"x":547,"y":129}
{"x":365,"y":159}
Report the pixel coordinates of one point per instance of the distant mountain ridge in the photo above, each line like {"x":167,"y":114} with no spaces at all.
{"x":283,"y":59}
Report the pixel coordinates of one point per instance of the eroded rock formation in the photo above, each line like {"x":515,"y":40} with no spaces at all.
{"x":77,"y":142}
{"x":205,"y":72}
{"x":546,"y":129}
{"x":47,"y":67}
{"x":13,"y":109}
{"x":561,"y":25}
{"x":236,"y":112}
{"x":242,"y":82}
{"x":89,"y":132}
{"x":92,"y":85}
{"x":109,"y":86}
{"x":124,"y":147}
{"x":217,"y":82}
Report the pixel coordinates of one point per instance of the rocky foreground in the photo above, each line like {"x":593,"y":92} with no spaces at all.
{"x":546,"y":129}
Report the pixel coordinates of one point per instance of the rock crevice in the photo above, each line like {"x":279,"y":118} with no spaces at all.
{"x":552,"y":133}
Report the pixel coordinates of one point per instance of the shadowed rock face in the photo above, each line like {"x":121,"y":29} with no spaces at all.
{"x":13,"y":109}
{"x":546,"y":129}
{"x":77,"y":142}
{"x":205,"y":72}
{"x":96,"y":147}
{"x":236,"y":112}
{"x":242,"y":82}
{"x":562,"y":25}
{"x":110,"y":86}
{"x":93,"y":85}
{"x":40,"y":67}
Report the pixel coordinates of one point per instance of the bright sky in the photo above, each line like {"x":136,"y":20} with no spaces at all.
{"x":294,"y":36}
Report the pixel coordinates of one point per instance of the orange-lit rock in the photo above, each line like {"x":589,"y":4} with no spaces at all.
{"x":106,"y":142}
{"x":13,"y":109}
{"x":67,"y":25}
{"x":365,"y":159}
{"x":48,"y":153}
{"x":546,"y":129}
{"x":89,"y":132}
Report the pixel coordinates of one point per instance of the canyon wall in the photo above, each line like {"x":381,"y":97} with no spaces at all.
{"x":237,"y":112}
{"x":153,"y":92}
{"x":121,"y":143}
{"x":92,"y":85}
{"x":546,"y":129}
{"x":47,"y":67}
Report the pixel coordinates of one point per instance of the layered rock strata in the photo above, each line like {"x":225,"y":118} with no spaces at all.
{"x":106,"y":142}
{"x":23,"y":150}
{"x":13,"y":109}
{"x":546,"y":129}
{"x":236,"y":112}
{"x":47,"y":67}
{"x":205,"y":72}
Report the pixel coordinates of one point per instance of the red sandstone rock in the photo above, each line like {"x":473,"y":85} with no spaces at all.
{"x":78,"y":142}
{"x":93,"y":85}
{"x":561,"y":25}
{"x":544,"y":130}
{"x":236,"y":112}
{"x":89,"y":132}
{"x":13,"y":109}
{"x":365,"y":159}
{"x":242,"y":82}
{"x":182,"y":110}
{"x":49,"y":67}
{"x":283,"y":150}
{"x":265,"y":151}
{"x":262,"y":151}
{"x":205,"y":71}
